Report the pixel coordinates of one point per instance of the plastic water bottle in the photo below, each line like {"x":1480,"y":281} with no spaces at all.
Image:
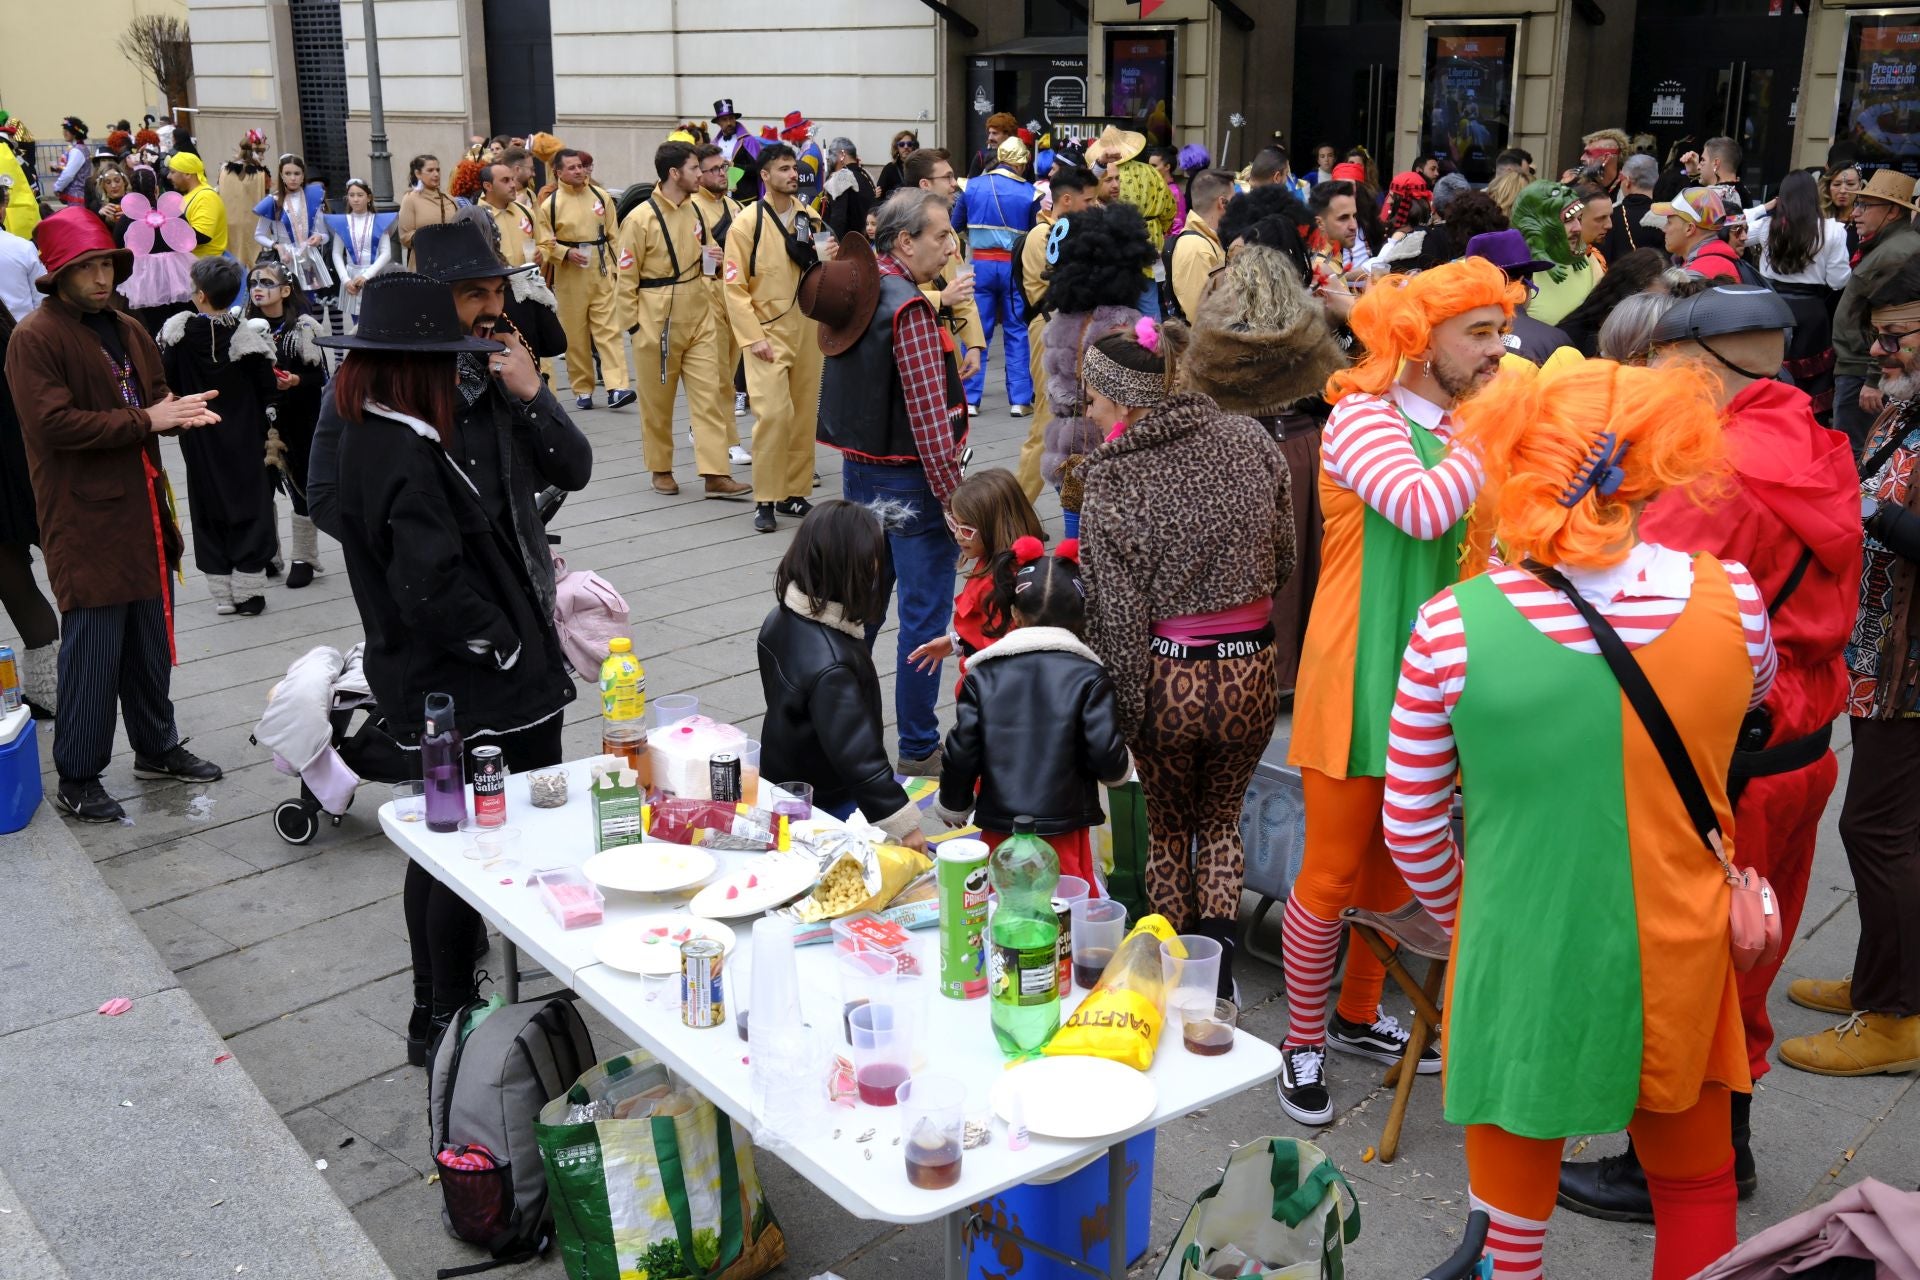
{"x":440,"y":761}
{"x":623,"y":707}
{"x":1023,"y":970}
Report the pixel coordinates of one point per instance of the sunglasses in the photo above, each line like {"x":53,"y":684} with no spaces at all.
{"x":1891,"y":340}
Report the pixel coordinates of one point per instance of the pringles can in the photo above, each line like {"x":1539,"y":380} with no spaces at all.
{"x":702,"y":997}
{"x":960,"y":872}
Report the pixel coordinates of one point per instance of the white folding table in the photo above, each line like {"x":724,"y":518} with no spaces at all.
{"x":828,"y":1153}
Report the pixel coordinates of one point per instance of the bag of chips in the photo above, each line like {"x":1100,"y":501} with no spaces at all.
{"x":1121,"y":1017}
{"x":858,"y":876}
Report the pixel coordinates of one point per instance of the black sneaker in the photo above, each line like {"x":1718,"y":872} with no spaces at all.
{"x":1384,"y":1041}
{"x":251,"y":607}
{"x":299,"y":574}
{"x":763,"y":521}
{"x":793,"y":507}
{"x":88,"y":801}
{"x":1303,"y":1094}
{"x":176,"y":763}
{"x":620,"y":399}
{"x":583,"y":402}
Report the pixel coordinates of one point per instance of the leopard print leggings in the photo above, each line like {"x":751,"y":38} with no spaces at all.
{"x":1206,"y":723}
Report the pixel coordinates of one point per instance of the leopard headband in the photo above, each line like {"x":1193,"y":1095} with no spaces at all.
{"x":1129,"y":387}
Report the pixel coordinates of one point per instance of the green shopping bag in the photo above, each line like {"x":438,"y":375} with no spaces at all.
{"x":660,"y":1197}
{"x":1282,"y":1204}
{"x":1120,"y":846}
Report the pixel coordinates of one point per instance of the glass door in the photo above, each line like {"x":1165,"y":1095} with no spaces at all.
{"x":1347,"y":69}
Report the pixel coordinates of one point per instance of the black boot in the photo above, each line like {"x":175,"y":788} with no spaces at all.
{"x":419,"y":1024}
{"x":1745,"y":1177}
{"x":1612,"y":1187}
{"x":443,"y":1017}
{"x":1225,"y":933}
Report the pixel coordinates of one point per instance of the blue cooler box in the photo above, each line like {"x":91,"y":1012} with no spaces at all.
{"x":1069,"y":1215}
{"x":20,"y":787}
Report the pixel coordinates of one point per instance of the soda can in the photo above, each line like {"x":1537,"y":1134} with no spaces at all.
{"x":9,"y":679}
{"x":489,"y":787}
{"x":960,"y":875}
{"x":702,"y":997}
{"x":723,"y":776}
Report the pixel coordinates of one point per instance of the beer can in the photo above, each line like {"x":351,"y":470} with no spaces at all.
{"x":489,"y":787}
{"x":702,"y":997}
{"x":723,"y":776}
{"x":9,"y":680}
{"x":960,"y":877}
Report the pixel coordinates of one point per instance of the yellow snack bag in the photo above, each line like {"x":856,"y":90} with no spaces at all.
{"x":1121,"y":1017}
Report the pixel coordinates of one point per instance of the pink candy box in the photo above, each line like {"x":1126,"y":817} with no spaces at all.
{"x":569,"y":896}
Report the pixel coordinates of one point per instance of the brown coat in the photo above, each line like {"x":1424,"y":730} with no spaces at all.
{"x":88,"y":454}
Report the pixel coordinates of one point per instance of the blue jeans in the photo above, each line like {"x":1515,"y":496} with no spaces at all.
{"x":920,"y":566}
{"x":993,"y":290}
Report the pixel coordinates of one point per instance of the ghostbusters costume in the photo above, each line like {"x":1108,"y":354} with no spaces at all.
{"x":765,"y":259}
{"x":583,"y":218}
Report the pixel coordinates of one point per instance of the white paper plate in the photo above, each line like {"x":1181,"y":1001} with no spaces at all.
{"x":651,"y":944}
{"x":756,"y":887}
{"x":1076,"y":1097}
{"x":649,"y":868}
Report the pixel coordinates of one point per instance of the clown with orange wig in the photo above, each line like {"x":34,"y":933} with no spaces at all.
{"x":1592,"y":984}
{"x":1395,"y":493}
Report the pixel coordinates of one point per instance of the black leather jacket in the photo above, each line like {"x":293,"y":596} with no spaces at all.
{"x":1037,"y":727}
{"x":823,"y":721}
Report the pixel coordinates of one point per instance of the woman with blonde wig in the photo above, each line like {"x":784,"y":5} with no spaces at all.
{"x":1592,"y":982}
{"x":1394,"y":491}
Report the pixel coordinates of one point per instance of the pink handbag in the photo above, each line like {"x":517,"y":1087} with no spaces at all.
{"x":587,"y":613}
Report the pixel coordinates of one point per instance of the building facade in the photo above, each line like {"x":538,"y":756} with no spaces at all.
{"x":63,"y":60}
{"x":1402,"y":78}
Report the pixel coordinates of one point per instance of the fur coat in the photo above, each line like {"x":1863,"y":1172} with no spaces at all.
{"x":1064,"y":346}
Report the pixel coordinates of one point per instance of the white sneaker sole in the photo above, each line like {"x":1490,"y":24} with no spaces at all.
{"x":1301,"y":1114}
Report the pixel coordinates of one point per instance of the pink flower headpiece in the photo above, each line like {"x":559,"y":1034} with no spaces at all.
{"x":1147,"y":334}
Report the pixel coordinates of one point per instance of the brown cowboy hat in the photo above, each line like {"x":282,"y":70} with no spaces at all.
{"x":841,"y":295}
{"x":1894,"y":188}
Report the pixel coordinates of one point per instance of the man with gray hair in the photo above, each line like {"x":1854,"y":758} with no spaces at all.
{"x":1630,"y":230}
{"x":849,"y":192}
{"x":891,"y":402}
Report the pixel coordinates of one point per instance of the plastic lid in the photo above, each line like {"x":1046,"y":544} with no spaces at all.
{"x":439,"y":712}
{"x":620,"y":644}
{"x":1023,"y":824}
{"x":14,"y":723}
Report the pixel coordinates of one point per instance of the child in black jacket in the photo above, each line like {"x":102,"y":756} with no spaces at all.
{"x":1036,"y":726}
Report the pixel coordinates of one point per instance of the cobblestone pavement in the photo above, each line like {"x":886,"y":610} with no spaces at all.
{"x":299,"y":955}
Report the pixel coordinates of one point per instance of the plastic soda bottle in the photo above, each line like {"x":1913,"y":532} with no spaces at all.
{"x":1023,"y":971}
{"x":623,"y":707}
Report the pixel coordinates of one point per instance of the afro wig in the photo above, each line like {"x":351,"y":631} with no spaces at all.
{"x":1099,"y":260}
{"x":1259,"y":204}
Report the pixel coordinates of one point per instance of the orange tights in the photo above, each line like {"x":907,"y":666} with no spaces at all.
{"x":1688,"y":1157}
{"x":1347,"y":865}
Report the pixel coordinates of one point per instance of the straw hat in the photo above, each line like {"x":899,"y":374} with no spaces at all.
{"x":1128,"y":143}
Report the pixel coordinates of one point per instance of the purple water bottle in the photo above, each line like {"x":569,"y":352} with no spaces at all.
{"x":440,"y":757}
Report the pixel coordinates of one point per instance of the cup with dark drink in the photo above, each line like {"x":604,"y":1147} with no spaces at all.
{"x":933,"y":1118}
{"x":1099,"y":925}
{"x":1210,"y":1032}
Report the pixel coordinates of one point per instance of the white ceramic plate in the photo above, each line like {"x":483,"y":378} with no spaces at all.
{"x":1075,"y":1097}
{"x":759,"y":885}
{"x":651,"y":944}
{"x":649,"y":868}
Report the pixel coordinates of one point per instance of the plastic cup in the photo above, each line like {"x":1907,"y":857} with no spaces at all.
{"x":750,"y":772}
{"x":933,"y":1124}
{"x":866,"y":977}
{"x":882,"y":1052}
{"x":409,"y":801}
{"x":671,"y":709}
{"x":794,"y":800}
{"x":1192,"y":980}
{"x":1099,"y":926}
{"x":494,"y":843}
{"x":1070,"y":890}
{"x":1210,"y":1033}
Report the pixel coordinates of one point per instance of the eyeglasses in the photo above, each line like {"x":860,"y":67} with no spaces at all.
{"x":1891,"y":340}
{"x":964,"y":532}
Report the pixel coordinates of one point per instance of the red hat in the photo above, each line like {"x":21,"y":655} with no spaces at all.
{"x":72,"y":235}
{"x":794,"y":122}
{"x":1349,"y":171}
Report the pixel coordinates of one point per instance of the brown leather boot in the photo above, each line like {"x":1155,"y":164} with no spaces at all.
{"x":727,"y":487}
{"x":663,"y":482}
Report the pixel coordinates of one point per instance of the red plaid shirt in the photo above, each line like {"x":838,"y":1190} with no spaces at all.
{"x":920,"y":347}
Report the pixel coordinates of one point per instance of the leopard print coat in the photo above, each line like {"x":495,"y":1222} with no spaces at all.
{"x":1188,"y":511}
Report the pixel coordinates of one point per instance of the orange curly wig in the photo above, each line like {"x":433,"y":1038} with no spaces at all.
{"x":1396,"y":317}
{"x":467,"y":176}
{"x":1534,"y":431}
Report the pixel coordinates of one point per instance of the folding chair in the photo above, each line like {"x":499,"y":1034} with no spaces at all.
{"x":1388,"y":934}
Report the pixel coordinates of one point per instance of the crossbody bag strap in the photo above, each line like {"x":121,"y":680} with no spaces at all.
{"x":1653,"y":714}
{"x":1792,"y":583}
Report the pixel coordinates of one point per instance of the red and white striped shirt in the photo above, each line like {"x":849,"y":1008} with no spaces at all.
{"x":1367,"y":448}
{"x":1641,"y":597}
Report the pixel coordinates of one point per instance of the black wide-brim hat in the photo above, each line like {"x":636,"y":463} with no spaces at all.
{"x":402,"y":311}
{"x":452,"y":251}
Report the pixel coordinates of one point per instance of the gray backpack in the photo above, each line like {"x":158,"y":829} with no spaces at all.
{"x":486,"y":1090}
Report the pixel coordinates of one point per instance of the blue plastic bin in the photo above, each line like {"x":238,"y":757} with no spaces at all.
{"x":20,"y":787}
{"x":1069,"y":1215}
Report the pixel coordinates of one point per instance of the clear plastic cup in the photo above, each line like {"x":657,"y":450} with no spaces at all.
{"x":866,"y":977}
{"x":1192,"y":978}
{"x":1099,"y":926}
{"x":1210,"y":1033}
{"x":1070,"y":890}
{"x":494,"y":843}
{"x":671,"y":708}
{"x":794,"y":800}
{"x":933,"y":1123}
{"x":882,"y":1052}
{"x":750,"y":772}
{"x":409,"y":800}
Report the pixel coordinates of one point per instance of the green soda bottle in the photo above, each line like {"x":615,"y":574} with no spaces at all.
{"x":1023,"y":971}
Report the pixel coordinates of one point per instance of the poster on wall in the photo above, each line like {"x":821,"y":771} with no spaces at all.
{"x":1141,"y":80}
{"x":1468,"y":107}
{"x":1880,"y":91}
{"x":1669,"y":103}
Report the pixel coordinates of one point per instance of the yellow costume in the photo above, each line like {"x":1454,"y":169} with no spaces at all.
{"x":22,"y":211}
{"x":1196,"y":254}
{"x":663,"y":292}
{"x":202,"y":207}
{"x":1033,"y":271}
{"x":716,"y":220}
{"x":583,"y":218}
{"x":515,"y":223}
{"x":761,"y":284}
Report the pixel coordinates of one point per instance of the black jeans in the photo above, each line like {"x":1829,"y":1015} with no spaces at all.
{"x":1880,"y":827}
{"x":441,"y":927}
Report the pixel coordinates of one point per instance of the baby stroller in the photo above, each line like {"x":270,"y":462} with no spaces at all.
{"x":310,"y":726}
